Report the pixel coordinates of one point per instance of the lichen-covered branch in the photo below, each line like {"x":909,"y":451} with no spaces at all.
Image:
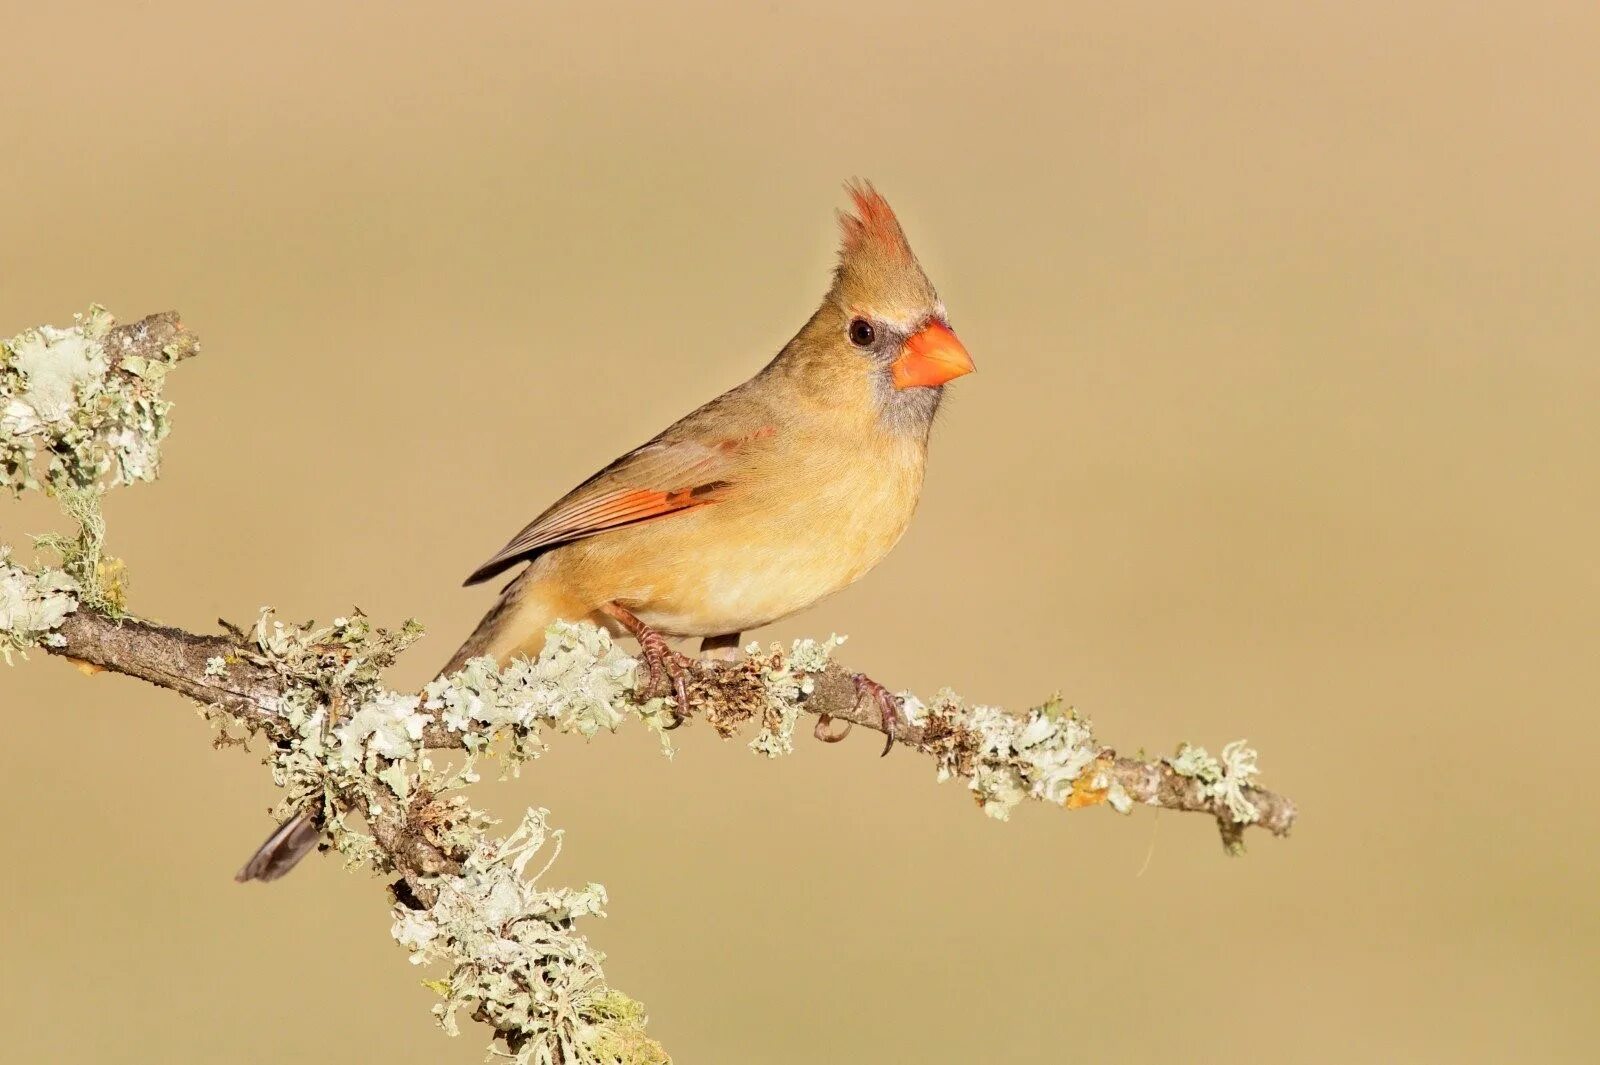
{"x":382,"y":775}
{"x":1003,"y":758}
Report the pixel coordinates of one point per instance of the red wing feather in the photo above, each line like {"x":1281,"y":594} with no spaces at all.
{"x":682,"y":475}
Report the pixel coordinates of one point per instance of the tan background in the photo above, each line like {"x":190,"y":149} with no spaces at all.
{"x":1285,"y":428}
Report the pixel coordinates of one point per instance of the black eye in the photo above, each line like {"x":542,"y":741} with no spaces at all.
{"x":861,"y":333}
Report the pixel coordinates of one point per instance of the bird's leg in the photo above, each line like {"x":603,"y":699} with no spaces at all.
{"x":888,"y":705}
{"x":659,"y":659}
{"x":720,"y":649}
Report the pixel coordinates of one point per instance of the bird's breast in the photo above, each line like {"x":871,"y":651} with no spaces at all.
{"x":799,"y":529}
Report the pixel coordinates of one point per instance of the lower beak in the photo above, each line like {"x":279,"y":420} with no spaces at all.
{"x":929,"y":358}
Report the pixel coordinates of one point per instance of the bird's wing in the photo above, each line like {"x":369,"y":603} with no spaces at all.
{"x":652,"y":481}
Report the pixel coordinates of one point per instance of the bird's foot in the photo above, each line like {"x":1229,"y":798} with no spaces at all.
{"x":667,"y":670}
{"x":888,"y":705}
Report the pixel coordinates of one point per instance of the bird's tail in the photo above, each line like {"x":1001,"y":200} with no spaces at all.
{"x":515,"y":625}
{"x":282,"y":851}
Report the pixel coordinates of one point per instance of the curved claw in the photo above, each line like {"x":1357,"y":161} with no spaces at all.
{"x":680,"y":692}
{"x":888,"y":705}
{"x":665,"y":663}
{"x":821,"y":732}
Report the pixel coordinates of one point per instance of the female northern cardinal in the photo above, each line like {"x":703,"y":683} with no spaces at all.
{"x":768,"y":498}
{"x":773,"y":495}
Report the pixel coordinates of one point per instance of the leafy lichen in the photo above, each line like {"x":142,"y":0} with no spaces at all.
{"x":83,"y":556}
{"x":1222,"y":779}
{"x":1004,"y":758}
{"x":787,"y":680}
{"x":580,"y":683}
{"x":73,"y":416}
{"x":32,"y":605}
{"x":512,"y":958}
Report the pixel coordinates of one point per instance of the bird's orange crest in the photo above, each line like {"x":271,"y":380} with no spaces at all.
{"x":873,"y":228}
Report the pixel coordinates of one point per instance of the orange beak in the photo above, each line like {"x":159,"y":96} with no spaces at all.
{"x":930,"y":357}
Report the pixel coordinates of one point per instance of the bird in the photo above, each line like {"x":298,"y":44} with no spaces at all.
{"x":756,"y":505}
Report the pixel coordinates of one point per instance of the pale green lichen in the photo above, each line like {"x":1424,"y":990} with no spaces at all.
{"x":99,"y":576}
{"x":32,"y":605}
{"x":70,"y":416}
{"x":512,"y":958}
{"x":788,"y":680}
{"x":580,"y":683}
{"x":618,"y":1036}
{"x":1222,"y":779}
{"x":1118,"y":798}
{"x":387,"y":728}
{"x":1003,"y":758}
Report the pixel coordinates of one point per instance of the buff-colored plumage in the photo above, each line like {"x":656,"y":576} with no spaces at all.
{"x":763,"y":501}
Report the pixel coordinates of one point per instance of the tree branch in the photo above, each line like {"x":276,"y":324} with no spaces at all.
{"x":155,"y":336}
{"x":1150,"y":783}
{"x":172,"y":659}
{"x":175,"y":659}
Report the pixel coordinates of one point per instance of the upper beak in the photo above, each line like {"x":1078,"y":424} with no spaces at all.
{"x":930,"y":357}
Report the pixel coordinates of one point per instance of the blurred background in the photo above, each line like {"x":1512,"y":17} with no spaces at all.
{"x":1284,"y":428}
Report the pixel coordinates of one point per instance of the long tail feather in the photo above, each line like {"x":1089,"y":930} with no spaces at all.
{"x":282,"y":851}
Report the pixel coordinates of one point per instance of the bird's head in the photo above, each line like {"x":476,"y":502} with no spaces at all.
{"x":883,"y":317}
